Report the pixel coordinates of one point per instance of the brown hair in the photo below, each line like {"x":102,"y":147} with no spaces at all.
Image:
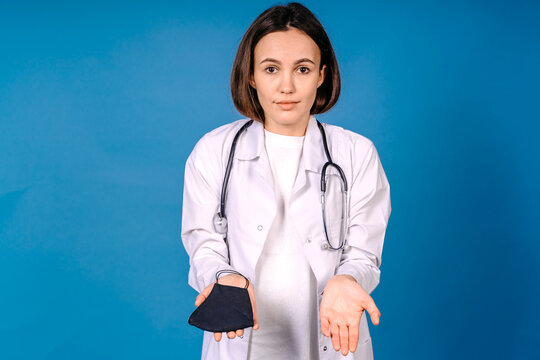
{"x":282,"y":18}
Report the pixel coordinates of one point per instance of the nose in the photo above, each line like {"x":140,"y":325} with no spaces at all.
{"x":287,"y":83}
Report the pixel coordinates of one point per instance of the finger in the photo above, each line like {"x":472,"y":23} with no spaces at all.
{"x":199,"y":299}
{"x":353,"y":337}
{"x":204,"y":294}
{"x":240,"y":332}
{"x":231,"y":334}
{"x":325,"y":324}
{"x":206,"y":291}
{"x":373,"y":311}
{"x":253,"y":306}
{"x":217,"y":336}
{"x":344,"y":339}
{"x":334,"y":331}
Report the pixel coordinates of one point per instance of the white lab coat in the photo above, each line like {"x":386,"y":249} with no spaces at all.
{"x":251,"y":207}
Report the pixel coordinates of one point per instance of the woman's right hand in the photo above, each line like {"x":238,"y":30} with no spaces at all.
{"x":231,"y":280}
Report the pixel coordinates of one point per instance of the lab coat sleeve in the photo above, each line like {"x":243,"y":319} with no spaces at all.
{"x":369,"y":211}
{"x":206,"y":248}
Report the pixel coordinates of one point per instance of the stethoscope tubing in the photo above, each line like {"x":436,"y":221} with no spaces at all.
{"x":221,"y":221}
{"x":229,"y":166}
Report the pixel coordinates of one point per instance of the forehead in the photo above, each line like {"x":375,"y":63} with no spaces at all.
{"x":287,"y":45}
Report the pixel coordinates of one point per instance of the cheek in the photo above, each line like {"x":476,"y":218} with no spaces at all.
{"x":310,"y":85}
{"x":264,"y":91}
{"x":310,"y":94}
{"x":312,"y":90}
{"x":262,"y":95}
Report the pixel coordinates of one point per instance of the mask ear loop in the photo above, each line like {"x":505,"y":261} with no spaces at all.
{"x":232,"y":272}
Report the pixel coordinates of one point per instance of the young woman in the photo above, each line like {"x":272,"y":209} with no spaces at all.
{"x":311,"y":270}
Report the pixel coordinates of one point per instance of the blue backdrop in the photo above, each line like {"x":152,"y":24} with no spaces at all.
{"x":100,"y":105}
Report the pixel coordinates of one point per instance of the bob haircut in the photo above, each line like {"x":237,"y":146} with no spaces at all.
{"x":282,"y":18}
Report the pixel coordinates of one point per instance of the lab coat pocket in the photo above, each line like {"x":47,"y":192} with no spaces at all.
{"x":334,"y":234}
{"x":364,"y":350}
{"x":322,"y":259}
{"x":333,"y":229}
{"x":226,"y":349}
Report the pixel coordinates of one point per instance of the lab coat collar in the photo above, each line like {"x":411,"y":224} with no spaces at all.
{"x":313,"y":156}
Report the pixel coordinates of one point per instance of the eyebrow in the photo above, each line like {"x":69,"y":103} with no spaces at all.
{"x":296,"y":62}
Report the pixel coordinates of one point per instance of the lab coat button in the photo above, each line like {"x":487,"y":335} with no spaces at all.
{"x":325,"y":348}
{"x":308,"y":240}
{"x":259,"y":227}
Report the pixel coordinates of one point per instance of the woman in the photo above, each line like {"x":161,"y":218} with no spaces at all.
{"x":307,"y":298}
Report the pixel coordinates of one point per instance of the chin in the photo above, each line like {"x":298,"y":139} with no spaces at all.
{"x":288,"y":114}
{"x":286,"y":120}
{"x":286,"y":117}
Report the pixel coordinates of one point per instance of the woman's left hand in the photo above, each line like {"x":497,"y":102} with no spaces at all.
{"x":343,"y":302}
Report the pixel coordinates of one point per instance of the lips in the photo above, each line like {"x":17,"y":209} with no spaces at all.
{"x":287,"y":105}
{"x":285,"y":102}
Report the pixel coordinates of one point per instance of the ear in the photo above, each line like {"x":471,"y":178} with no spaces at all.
{"x":252,"y":81}
{"x":322,"y":75}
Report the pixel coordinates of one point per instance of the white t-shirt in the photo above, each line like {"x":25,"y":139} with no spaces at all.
{"x":285,"y":284}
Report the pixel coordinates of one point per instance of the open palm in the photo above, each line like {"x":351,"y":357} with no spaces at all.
{"x":342,"y":306}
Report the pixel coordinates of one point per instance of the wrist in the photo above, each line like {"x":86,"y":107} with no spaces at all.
{"x":345,"y":276}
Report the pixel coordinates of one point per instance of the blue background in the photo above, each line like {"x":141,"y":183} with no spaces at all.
{"x":100,"y":105}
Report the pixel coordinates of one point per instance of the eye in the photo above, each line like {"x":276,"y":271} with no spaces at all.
{"x":270,"y":67}
{"x":306,"y":69}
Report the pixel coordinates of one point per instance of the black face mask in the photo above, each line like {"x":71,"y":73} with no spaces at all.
{"x":227,"y":308}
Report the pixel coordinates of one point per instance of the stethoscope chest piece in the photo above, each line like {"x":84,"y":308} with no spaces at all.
{"x":220,"y":224}
{"x":325,"y":246}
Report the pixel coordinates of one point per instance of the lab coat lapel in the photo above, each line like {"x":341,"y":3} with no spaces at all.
{"x":252,"y":148}
{"x":312,"y":158}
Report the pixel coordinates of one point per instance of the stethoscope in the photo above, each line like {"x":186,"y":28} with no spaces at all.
{"x":220,"y":220}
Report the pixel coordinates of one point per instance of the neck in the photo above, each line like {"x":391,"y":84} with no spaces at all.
{"x":297,"y":128}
